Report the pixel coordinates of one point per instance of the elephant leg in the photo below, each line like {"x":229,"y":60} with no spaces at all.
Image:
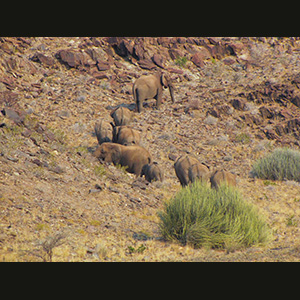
{"x":158,"y":98}
{"x":139,"y":100}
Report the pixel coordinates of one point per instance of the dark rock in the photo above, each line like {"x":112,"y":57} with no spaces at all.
{"x":293,"y":125}
{"x":266,"y":112}
{"x":280,"y":130}
{"x":238,"y":104}
{"x":296,"y":99}
{"x":271,"y":134}
{"x":39,"y":163}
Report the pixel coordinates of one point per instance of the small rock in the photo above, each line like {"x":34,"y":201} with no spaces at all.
{"x":80,"y":99}
{"x":12,"y":115}
{"x":210,"y":120}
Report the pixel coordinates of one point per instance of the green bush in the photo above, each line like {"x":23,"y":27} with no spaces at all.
{"x":281,"y":164}
{"x":181,"y":61}
{"x":201,"y":216}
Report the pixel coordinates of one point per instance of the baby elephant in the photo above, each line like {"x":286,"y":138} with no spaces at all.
{"x":125,"y":135}
{"x":152,"y":172}
{"x":121,"y":116}
{"x":188,"y":168}
{"x":132,"y":157}
{"x":103,"y":132}
{"x":221,"y":176}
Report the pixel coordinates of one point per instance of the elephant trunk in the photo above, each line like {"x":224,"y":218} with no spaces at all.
{"x":171,"y":89}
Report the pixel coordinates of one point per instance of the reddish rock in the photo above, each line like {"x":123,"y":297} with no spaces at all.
{"x":8,"y":98}
{"x":236,"y":48}
{"x":128,"y":45}
{"x":197,"y":59}
{"x":173,"y":70}
{"x":44,"y":59}
{"x":73,"y":58}
{"x":8,"y":81}
{"x":146,"y":64}
{"x":175,"y":53}
{"x":98,"y":74}
{"x":138,"y":51}
{"x":103,"y":65}
{"x":158,"y":60}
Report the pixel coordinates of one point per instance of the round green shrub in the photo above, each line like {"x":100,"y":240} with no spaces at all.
{"x":282,"y":163}
{"x":201,"y":216}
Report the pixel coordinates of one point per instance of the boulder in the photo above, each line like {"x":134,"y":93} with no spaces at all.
{"x":73,"y":58}
{"x":198,"y":59}
{"x":146,"y":64}
{"x":42,"y":58}
{"x":158,"y":60}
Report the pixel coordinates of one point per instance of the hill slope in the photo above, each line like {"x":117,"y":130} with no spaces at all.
{"x":235,"y":100}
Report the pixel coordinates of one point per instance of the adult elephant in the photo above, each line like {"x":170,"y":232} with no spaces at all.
{"x":151,"y":86}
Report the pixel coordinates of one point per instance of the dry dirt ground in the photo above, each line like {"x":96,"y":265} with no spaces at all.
{"x":236,"y":100}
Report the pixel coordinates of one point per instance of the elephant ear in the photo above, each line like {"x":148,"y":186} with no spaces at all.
{"x":115,"y":155}
{"x":164,"y":81}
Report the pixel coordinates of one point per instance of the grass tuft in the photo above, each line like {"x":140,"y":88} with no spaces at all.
{"x":281,"y":164}
{"x":201,"y":216}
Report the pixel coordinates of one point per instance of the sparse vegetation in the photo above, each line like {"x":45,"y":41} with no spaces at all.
{"x":242,"y":138}
{"x":201,"y":216}
{"x":282,"y":164}
{"x":181,"y":61}
{"x":50,"y":181}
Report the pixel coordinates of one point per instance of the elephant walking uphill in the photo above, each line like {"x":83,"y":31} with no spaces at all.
{"x":151,"y":86}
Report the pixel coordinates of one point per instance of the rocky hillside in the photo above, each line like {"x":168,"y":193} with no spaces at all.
{"x":235,"y":100}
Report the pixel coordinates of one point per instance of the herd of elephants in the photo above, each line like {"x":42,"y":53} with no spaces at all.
{"x":119,"y":143}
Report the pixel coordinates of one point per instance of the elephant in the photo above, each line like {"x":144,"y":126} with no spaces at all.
{"x":122,"y":116}
{"x":198,"y":171}
{"x":152,"y":172}
{"x":103,"y":132}
{"x":125,"y":135}
{"x":221,"y":176}
{"x":188,"y":168}
{"x":151,"y":86}
{"x":132,"y":157}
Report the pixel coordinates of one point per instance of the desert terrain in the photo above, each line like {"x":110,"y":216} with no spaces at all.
{"x":236,"y":99}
